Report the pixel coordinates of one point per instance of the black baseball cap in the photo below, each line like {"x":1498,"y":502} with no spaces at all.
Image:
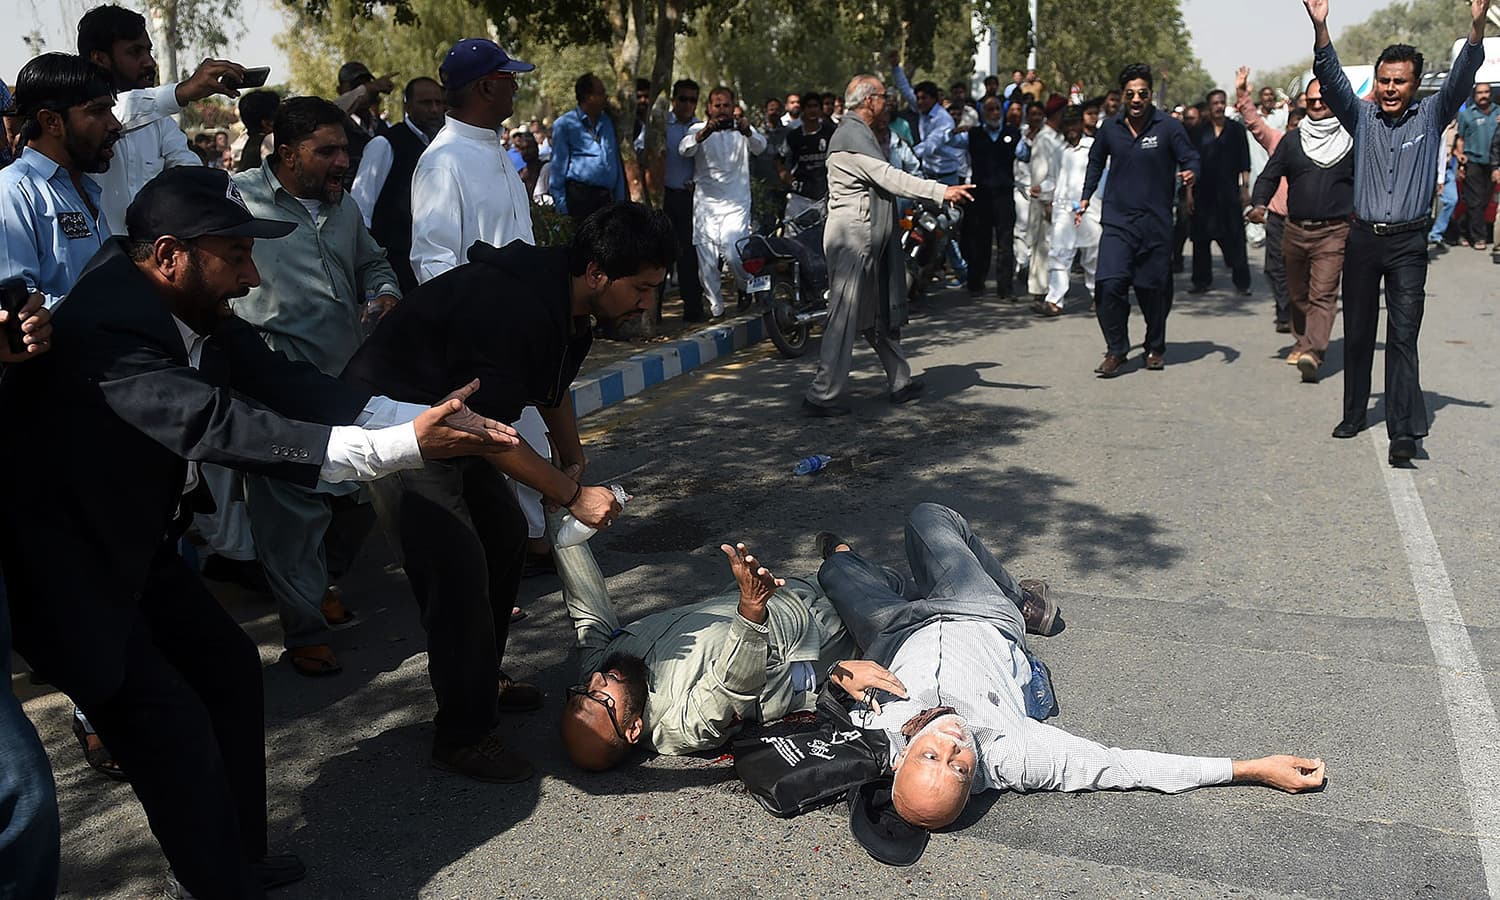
{"x":354,"y":74}
{"x":192,"y":201}
{"x":877,"y":826}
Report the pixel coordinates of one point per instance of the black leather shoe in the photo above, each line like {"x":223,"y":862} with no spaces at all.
{"x":278,"y":870}
{"x":826,"y":541}
{"x":1347,"y":429}
{"x":1403,"y":450}
{"x":819,"y":410}
{"x":913,"y":389}
{"x":1198,"y":289}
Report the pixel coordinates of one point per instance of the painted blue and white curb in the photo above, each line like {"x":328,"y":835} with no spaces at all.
{"x":612,"y":384}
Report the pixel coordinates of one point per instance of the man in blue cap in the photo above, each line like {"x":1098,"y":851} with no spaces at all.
{"x":465,"y":188}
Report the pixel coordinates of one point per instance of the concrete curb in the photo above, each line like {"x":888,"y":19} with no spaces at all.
{"x":612,"y":384}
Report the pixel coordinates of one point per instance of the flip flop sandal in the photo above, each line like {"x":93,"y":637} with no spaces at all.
{"x":313,"y":666}
{"x":99,"y":758}
{"x":516,"y":614}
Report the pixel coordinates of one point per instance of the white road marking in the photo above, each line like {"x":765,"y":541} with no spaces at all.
{"x":1471,"y":713}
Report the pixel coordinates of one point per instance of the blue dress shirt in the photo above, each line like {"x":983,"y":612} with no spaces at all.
{"x":679,"y":169}
{"x":940,"y":159}
{"x":585,"y":152}
{"x":47,"y":232}
{"x":1394,"y":159}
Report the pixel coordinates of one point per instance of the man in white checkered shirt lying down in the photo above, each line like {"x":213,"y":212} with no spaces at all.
{"x":954,"y":636}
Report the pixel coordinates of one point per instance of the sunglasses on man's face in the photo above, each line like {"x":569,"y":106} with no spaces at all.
{"x":1144,"y":95}
{"x":1313,"y":101}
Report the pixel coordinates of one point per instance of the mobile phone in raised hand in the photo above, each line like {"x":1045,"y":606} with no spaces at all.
{"x":13,"y":297}
{"x":254,"y":78}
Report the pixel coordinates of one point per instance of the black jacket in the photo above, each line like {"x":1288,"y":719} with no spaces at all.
{"x":504,"y":318}
{"x":99,"y":432}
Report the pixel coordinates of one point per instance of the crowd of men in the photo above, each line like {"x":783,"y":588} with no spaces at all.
{"x":340,"y":319}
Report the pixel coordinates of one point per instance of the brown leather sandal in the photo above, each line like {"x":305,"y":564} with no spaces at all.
{"x":315,"y":661}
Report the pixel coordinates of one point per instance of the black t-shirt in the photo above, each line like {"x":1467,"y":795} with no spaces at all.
{"x":806,"y":158}
{"x":504,"y":318}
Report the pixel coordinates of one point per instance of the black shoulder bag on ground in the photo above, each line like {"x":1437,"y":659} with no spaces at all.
{"x":792,"y":774}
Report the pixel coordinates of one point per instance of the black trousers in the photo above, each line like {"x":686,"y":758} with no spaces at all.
{"x":1275,"y":268}
{"x":1132,"y":257}
{"x":991,"y":217}
{"x":187,"y":726}
{"x":1400,"y":261}
{"x":586,"y":199}
{"x":678,"y":205}
{"x":463,"y":538}
{"x":1228,"y":232}
{"x":1477,"y":190}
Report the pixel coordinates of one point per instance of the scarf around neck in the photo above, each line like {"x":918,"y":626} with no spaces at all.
{"x":1325,"y":141}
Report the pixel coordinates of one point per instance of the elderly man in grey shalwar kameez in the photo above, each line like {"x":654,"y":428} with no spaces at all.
{"x":867,"y":280}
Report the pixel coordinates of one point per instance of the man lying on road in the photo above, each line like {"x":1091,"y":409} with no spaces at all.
{"x":690,"y":677}
{"x":959,"y":724}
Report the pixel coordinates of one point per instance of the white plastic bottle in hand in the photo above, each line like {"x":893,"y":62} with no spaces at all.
{"x":573,"y":532}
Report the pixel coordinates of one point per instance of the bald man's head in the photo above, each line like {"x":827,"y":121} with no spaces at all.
{"x":934,"y":773}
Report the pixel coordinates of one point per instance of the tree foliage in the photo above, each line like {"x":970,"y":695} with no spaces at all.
{"x":1429,"y":25}
{"x":317,"y":42}
{"x":1090,"y":41}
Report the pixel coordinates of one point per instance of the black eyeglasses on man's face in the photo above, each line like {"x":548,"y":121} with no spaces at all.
{"x":1313,"y":101}
{"x":604,"y":700}
{"x":1144,"y":94}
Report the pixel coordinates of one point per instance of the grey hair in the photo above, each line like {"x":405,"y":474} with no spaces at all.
{"x":861,"y":88}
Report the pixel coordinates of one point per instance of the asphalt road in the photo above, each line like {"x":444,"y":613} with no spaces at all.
{"x":1235,"y":582}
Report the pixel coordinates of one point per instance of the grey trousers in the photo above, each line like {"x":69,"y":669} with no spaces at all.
{"x":306,"y":540}
{"x":832,"y":377}
{"x":952,"y":575}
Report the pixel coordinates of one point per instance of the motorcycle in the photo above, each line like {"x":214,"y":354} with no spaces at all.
{"x":926,"y":230}
{"x":789,"y":281}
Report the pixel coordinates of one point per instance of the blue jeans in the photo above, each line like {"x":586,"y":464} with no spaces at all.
{"x":952,"y":575}
{"x":1446,"y":204}
{"x":29,"y":831}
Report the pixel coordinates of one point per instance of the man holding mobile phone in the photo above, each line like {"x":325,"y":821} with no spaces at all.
{"x":116,"y":39}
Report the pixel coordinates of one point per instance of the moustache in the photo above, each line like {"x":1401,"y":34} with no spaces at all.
{"x":926,"y":717}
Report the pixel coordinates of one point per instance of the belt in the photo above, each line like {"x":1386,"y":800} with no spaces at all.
{"x":1314,"y":224}
{"x":1388,"y":228}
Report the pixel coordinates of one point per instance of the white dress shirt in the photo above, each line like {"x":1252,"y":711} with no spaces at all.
{"x":150,"y":141}
{"x":382,"y":439}
{"x":374,"y":169}
{"x":465,"y":189}
{"x":974,"y":668}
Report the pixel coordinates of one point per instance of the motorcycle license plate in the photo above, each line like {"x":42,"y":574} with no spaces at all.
{"x":759,"y":284}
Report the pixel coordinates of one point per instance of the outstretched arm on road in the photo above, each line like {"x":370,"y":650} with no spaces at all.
{"x":1040,"y":757}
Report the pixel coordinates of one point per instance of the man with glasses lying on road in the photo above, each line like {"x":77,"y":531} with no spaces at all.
{"x":689,"y":678}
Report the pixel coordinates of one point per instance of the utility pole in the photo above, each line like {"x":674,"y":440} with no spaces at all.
{"x":1031,"y":54}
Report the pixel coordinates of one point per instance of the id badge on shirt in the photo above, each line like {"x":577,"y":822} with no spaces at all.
{"x":74,"y":225}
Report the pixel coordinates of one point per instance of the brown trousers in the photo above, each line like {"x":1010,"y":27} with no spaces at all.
{"x":1314,"y":262}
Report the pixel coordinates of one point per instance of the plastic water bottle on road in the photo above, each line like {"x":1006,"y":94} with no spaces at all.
{"x":812,"y":464}
{"x":573,"y":532}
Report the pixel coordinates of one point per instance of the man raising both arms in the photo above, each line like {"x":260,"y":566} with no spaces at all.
{"x":1396,"y":141}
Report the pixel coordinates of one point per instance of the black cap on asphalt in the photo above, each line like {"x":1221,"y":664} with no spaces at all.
{"x":874,"y":822}
{"x":192,"y":201}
